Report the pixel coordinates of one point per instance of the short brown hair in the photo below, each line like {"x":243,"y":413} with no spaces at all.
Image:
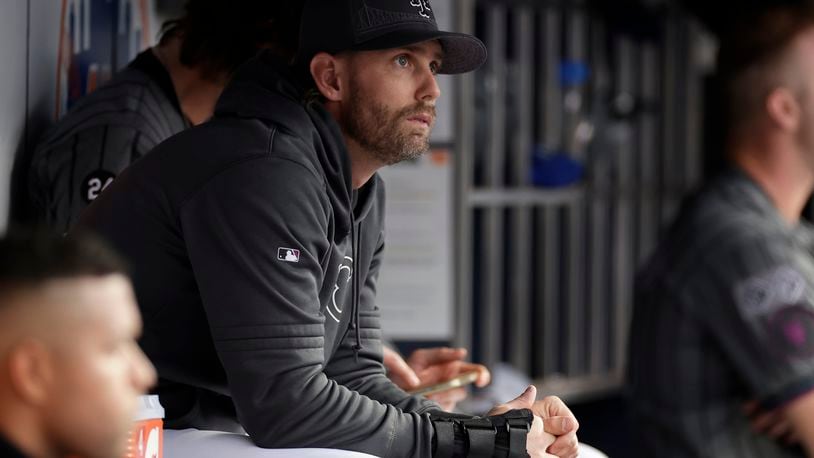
{"x":754,"y":46}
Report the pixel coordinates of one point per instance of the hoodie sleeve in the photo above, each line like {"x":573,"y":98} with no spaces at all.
{"x":264,"y":314}
{"x":365,"y":372}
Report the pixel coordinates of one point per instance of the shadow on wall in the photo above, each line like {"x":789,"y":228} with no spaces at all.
{"x":72,"y":50}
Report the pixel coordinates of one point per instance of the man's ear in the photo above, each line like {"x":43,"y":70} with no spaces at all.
{"x":31,"y":371}
{"x":783,"y":109}
{"x":325,"y":70}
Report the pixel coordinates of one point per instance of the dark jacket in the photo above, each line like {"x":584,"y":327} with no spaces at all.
{"x":256,"y":276}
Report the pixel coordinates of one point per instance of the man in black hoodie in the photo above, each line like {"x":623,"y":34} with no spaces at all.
{"x":256,"y":241}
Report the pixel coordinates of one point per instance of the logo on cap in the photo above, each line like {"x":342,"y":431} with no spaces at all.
{"x":422,"y":5}
{"x":288,"y":254}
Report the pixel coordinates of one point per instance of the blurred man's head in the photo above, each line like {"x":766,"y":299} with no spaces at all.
{"x":767,"y":66}
{"x":219,"y":35}
{"x":202,"y":50}
{"x":70,"y":368}
{"x":376,"y":70}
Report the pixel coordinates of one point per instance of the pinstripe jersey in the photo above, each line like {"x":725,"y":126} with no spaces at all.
{"x":104,"y":133}
{"x":723,"y":314}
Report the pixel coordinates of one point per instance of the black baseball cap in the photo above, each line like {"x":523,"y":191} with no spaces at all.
{"x":334,"y":26}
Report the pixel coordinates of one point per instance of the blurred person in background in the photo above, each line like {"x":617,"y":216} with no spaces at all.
{"x":722,"y":337}
{"x":164,"y":90}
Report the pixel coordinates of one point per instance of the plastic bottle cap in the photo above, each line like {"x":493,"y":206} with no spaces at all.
{"x":148,"y":408}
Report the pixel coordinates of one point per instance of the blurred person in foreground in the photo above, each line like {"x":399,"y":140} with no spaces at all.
{"x":70,"y":368}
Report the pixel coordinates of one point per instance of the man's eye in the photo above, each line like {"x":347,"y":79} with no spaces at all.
{"x":434,"y":68}
{"x":402,"y":61}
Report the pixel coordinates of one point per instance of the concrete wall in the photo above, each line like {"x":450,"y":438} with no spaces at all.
{"x":13,"y":75}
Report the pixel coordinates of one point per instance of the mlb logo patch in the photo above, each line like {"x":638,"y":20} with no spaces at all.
{"x":288,"y":254}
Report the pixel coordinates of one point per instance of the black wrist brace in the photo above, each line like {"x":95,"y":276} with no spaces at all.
{"x":499,"y":436}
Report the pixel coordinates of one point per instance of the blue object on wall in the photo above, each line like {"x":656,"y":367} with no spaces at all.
{"x":574,"y":73}
{"x":554,"y":169}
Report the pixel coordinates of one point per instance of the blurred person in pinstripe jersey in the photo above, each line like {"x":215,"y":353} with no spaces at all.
{"x":164,"y":90}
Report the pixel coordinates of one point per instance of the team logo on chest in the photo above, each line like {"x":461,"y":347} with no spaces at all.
{"x":342,"y":279}
{"x":288,"y":254}
{"x":776,"y":305}
{"x":763,"y":294}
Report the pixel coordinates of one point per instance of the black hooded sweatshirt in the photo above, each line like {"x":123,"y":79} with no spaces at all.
{"x":255,"y":273}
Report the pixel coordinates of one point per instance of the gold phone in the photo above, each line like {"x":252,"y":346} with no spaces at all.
{"x":463,"y":379}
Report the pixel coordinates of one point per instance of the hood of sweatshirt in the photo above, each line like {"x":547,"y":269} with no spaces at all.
{"x":265,"y":88}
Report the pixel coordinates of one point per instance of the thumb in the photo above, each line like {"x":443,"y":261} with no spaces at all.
{"x":525,"y":400}
{"x":558,"y":426}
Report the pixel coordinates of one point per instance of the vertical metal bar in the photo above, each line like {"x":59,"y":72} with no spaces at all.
{"x":598,"y":226}
{"x":494,"y":259}
{"x":694,"y":103}
{"x":463,"y":180}
{"x":551,"y":290}
{"x":575,"y":350}
{"x":551,"y":99}
{"x":623,"y":243}
{"x":551,"y":96}
{"x":648,"y":153}
{"x":669,"y":102}
{"x":598,"y":276}
{"x":577,"y":52}
{"x":521,"y":140}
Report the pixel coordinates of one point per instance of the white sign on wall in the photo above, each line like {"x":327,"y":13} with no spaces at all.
{"x":415,"y":281}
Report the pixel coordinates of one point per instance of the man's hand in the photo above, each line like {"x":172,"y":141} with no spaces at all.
{"x":398,"y":371}
{"x":559,"y":424}
{"x":430,"y":366}
{"x":773,"y":424}
{"x":537,"y":440}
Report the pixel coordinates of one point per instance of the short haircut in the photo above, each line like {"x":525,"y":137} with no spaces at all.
{"x":31,"y":257}
{"x":219,"y":35}
{"x":754,"y":47}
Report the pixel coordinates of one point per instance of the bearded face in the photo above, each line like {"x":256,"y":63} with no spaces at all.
{"x":389,"y":134}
